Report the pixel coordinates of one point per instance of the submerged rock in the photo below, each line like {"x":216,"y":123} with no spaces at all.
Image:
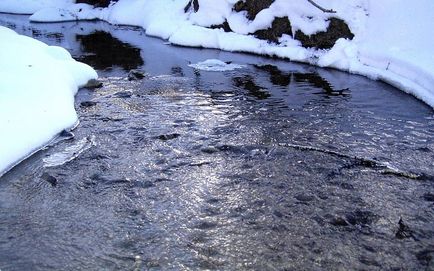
{"x":87,"y":104}
{"x":136,"y":75}
{"x":404,"y":230}
{"x":49,"y":178}
{"x":93,"y":83}
{"x":167,"y":137}
{"x":326,"y":39}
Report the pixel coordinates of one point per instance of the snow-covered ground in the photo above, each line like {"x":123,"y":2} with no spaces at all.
{"x":37,"y":87}
{"x":392,"y":37}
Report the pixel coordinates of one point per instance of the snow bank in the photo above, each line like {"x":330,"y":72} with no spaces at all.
{"x":30,"y":6}
{"x":37,"y":88}
{"x":392,"y":37}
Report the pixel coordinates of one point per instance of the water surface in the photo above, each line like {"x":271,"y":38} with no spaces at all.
{"x":276,"y":166}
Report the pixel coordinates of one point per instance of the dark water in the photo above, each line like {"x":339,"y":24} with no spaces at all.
{"x":276,"y":166}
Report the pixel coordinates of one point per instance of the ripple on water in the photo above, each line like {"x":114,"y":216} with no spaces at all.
{"x":276,"y":166}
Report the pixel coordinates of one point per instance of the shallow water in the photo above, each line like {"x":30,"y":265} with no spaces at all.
{"x":275,"y":166}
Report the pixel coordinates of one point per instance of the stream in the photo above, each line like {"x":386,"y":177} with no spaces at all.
{"x":273,"y":166}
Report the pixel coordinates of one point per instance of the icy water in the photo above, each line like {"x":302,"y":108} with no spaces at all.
{"x":275,"y":166}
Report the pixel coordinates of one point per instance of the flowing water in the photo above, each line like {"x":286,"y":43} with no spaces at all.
{"x":274,"y":166}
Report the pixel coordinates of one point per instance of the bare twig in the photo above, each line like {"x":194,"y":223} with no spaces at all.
{"x":321,"y":8}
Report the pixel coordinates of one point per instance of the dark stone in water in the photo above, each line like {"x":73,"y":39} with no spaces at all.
{"x":49,"y":178}
{"x":359,"y":217}
{"x":326,"y":39}
{"x":338,"y":221}
{"x":425,"y":257}
{"x":160,"y":180}
{"x":205,"y":225}
{"x":87,"y":104}
{"x":404,"y":230}
{"x":144,"y":184}
{"x":428,"y":197}
{"x":304,"y":197}
{"x":67,"y":134}
{"x":168,"y":136}
{"x":209,"y":150}
{"x":135,"y":75}
{"x":123,"y":94}
{"x":93,"y":83}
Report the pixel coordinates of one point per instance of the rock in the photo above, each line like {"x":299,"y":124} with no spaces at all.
{"x":425,"y":257}
{"x":326,"y":39}
{"x":195,"y":5}
{"x":225,"y":26}
{"x":304,"y":197}
{"x":338,"y":221}
{"x":209,"y":149}
{"x":123,"y":94}
{"x":96,"y":3}
{"x":428,"y":197}
{"x":253,"y":7}
{"x":279,"y":26}
{"x":404,"y":230}
{"x":50,"y":179}
{"x":136,"y":75}
{"x":93,"y":83}
{"x":65,"y":134}
{"x":362,"y":218}
{"x":87,"y":104}
{"x":168,"y":136}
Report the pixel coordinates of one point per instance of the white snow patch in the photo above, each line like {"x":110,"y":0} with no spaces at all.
{"x":37,"y":88}
{"x":215,"y":65}
{"x":30,"y":6}
{"x":67,"y":13}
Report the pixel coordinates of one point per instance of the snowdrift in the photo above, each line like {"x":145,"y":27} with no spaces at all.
{"x":37,"y":88}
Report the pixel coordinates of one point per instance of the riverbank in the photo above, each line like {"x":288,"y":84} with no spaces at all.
{"x":396,"y":49}
{"x":38,"y":84}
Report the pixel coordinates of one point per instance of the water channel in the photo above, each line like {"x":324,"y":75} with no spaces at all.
{"x":274,"y":166}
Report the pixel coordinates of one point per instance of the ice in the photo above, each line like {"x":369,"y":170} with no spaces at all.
{"x":215,"y":65}
{"x":69,"y":153}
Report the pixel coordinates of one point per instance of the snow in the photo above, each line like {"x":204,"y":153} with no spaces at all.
{"x":392,"y":38}
{"x":397,"y":49}
{"x":215,"y":65}
{"x":36,"y":94}
{"x":30,"y":6}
